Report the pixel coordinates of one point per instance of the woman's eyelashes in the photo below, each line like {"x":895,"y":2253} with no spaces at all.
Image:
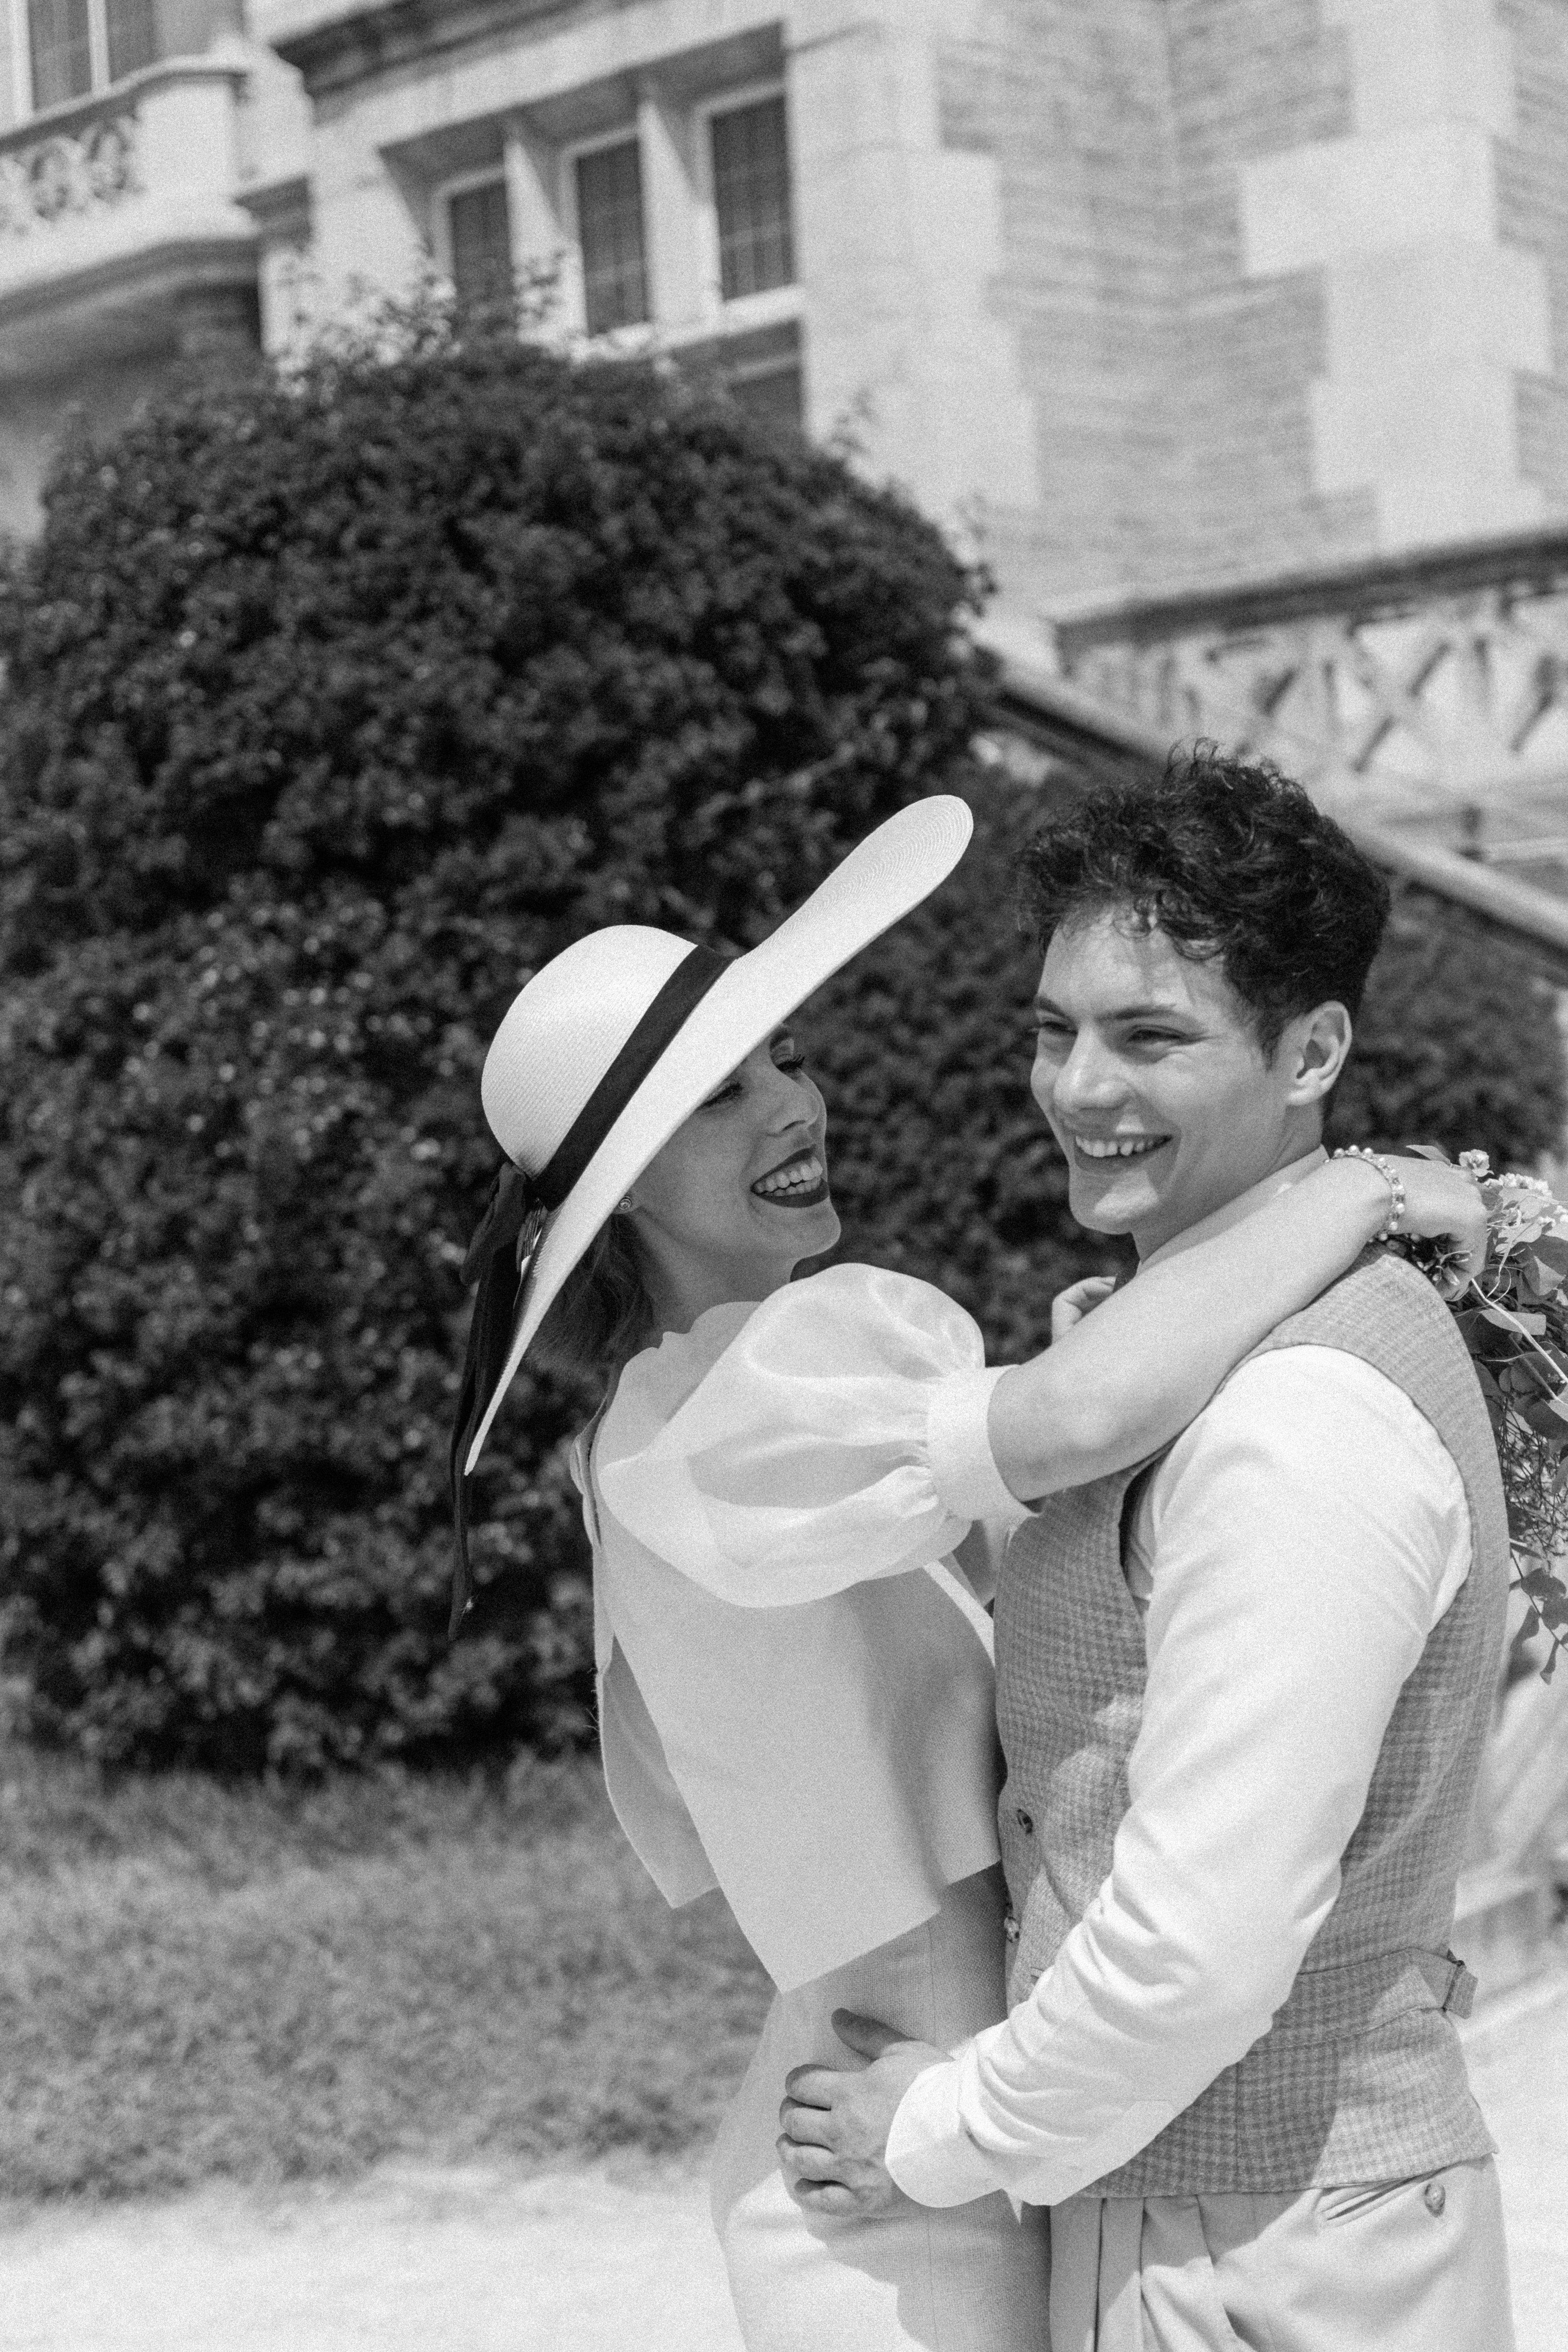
{"x":792,"y":1064}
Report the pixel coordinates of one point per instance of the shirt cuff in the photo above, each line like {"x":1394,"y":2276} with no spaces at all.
{"x":929,"y":2155}
{"x":958,"y":1448}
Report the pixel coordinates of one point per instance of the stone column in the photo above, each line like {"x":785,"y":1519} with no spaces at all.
{"x":1430,"y":318}
{"x":541,"y":251}
{"x":677,"y":294}
{"x":898,"y":239}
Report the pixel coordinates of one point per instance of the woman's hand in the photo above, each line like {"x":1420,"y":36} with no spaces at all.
{"x":1442,"y":1204}
{"x":1080,"y":1298}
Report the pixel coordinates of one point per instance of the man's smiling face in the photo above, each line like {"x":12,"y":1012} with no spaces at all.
{"x":1148,"y":1066}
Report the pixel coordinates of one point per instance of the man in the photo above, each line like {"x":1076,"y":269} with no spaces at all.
{"x":1242,"y":1693}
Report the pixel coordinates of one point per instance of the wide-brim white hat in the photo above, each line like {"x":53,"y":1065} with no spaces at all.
{"x":564,"y":1039}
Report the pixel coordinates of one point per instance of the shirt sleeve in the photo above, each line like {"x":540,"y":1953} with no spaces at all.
{"x":840,"y":1436}
{"x":1309,"y":1528}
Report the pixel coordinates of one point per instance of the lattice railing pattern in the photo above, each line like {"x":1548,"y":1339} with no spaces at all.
{"x":1411,"y":700}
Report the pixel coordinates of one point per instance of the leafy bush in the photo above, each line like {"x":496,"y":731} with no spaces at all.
{"x":333,"y":709}
{"x":1457,"y":1044}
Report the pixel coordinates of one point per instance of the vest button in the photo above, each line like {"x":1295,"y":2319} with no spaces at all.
{"x":1433,"y":2196}
{"x":1026,"y":1821}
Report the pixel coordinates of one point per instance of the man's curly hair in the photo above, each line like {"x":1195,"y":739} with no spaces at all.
{"x":1236,"y":864}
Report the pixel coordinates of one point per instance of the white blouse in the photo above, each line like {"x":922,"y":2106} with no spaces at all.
{"x":795,"y":1686}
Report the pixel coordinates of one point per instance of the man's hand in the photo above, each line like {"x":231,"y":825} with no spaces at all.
{"x":1070,"y":1307}
{"x":836,"y":2125}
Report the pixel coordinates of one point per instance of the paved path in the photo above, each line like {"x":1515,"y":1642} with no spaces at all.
{"x":607,"y":2259}
{"x":1518,"y":2065}
{"x":412,"y":2261}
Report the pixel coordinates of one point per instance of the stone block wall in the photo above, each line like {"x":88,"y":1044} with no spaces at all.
{"x":1532,"y":214}
{"x":1287,"y":279}
{"x":1171,"y":383}
{"x":1251,"y":80}
{"x":1071,"y":102}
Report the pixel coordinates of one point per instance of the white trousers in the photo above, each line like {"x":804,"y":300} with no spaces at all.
{"x":970,"y":2279}
{"x":1401,"y":2266}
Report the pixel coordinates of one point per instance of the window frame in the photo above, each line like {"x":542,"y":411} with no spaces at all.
{"x":628,"y":134}
{"x":778,"y":302}
{"x":100,"y":85}
{"x":463,"y":183}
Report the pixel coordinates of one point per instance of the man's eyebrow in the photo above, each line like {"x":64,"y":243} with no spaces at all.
{"x":1161,"y":1010}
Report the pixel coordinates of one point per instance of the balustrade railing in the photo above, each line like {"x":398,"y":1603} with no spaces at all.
{"x":1431,"y":690}
{"x":163,"y":141}
{"x":74,"y":168}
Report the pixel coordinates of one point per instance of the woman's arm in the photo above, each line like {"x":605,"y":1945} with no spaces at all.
{"x":1129,"y":1377}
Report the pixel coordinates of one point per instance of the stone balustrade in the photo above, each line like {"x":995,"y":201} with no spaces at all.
{"x":81,"y":167}
{"x":119,"y":211}
{"x":1428,"y":691}
{"x":74,"y":181}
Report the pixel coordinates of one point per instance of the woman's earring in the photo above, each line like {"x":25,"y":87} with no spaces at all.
{"x":625,"y":1205}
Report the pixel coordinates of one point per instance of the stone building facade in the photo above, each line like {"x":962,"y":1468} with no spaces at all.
{"x":1160,"y":304}
{"x":127,"y":130}
{"x":1158,"y":293}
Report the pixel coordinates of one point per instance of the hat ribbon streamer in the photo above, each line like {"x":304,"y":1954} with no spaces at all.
{"x":498,"y":1259}
{"x":519,"y":1207}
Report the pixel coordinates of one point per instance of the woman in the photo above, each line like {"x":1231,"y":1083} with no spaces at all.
{"x":795,"y":1697}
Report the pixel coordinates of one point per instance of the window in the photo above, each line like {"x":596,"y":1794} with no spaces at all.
{"x":750,"y":198}
{"x":480,"y":229}
{"x":132,"y":30}
{"x":610,"y":232}
{"x":62,"y":50}
{"x":775,"y":396}
{"x":79,"y":45}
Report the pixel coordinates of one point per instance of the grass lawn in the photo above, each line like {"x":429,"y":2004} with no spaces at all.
{"x":200,"y":1982}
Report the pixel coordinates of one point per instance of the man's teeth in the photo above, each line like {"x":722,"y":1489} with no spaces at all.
{"x":1118,"y":1147}
{"x":800,"y":1176}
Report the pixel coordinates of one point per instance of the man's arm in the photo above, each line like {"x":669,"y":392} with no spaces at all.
{"x":1308,"y":1528}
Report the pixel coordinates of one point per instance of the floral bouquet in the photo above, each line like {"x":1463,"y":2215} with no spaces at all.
{"x":1514,"y":1318}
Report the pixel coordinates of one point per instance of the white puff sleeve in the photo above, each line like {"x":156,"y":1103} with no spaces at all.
{"x":841,"y":1435}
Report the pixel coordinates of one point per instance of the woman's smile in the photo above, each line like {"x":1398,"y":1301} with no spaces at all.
{"x":798,"y":1183}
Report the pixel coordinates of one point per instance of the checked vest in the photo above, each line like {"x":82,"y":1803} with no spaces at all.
{"x":1361,"y":2077}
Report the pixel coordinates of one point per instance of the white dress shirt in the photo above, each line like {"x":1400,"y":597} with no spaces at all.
{"x":1292,"y":1552}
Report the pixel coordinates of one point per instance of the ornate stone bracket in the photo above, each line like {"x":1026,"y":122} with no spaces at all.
{"x":68,"y":173}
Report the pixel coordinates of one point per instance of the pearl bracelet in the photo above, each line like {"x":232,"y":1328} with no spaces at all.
{"x":1391,"y":1176}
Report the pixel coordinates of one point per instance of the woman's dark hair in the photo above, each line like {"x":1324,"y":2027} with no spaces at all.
{"x":1236,"y":865}
{"x":601,"y":1315}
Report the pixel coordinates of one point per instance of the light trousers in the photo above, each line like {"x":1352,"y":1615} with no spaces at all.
{"x":969,"y":2279}
{"x":1402,"y":2266}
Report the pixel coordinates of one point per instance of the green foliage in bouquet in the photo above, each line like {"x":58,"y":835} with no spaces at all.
{"x":333,"y":708}
{"x":1514,"y":1318}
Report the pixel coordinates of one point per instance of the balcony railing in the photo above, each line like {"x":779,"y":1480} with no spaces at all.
{"x":1428,"y":691}
{"x":85,"y":163}
{"x":90,"y":177}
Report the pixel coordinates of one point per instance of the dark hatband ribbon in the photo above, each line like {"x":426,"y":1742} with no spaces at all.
{"x":517,"y":1211}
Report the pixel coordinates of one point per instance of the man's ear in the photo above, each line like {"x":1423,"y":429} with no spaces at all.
{"x":1315,"y":1045}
